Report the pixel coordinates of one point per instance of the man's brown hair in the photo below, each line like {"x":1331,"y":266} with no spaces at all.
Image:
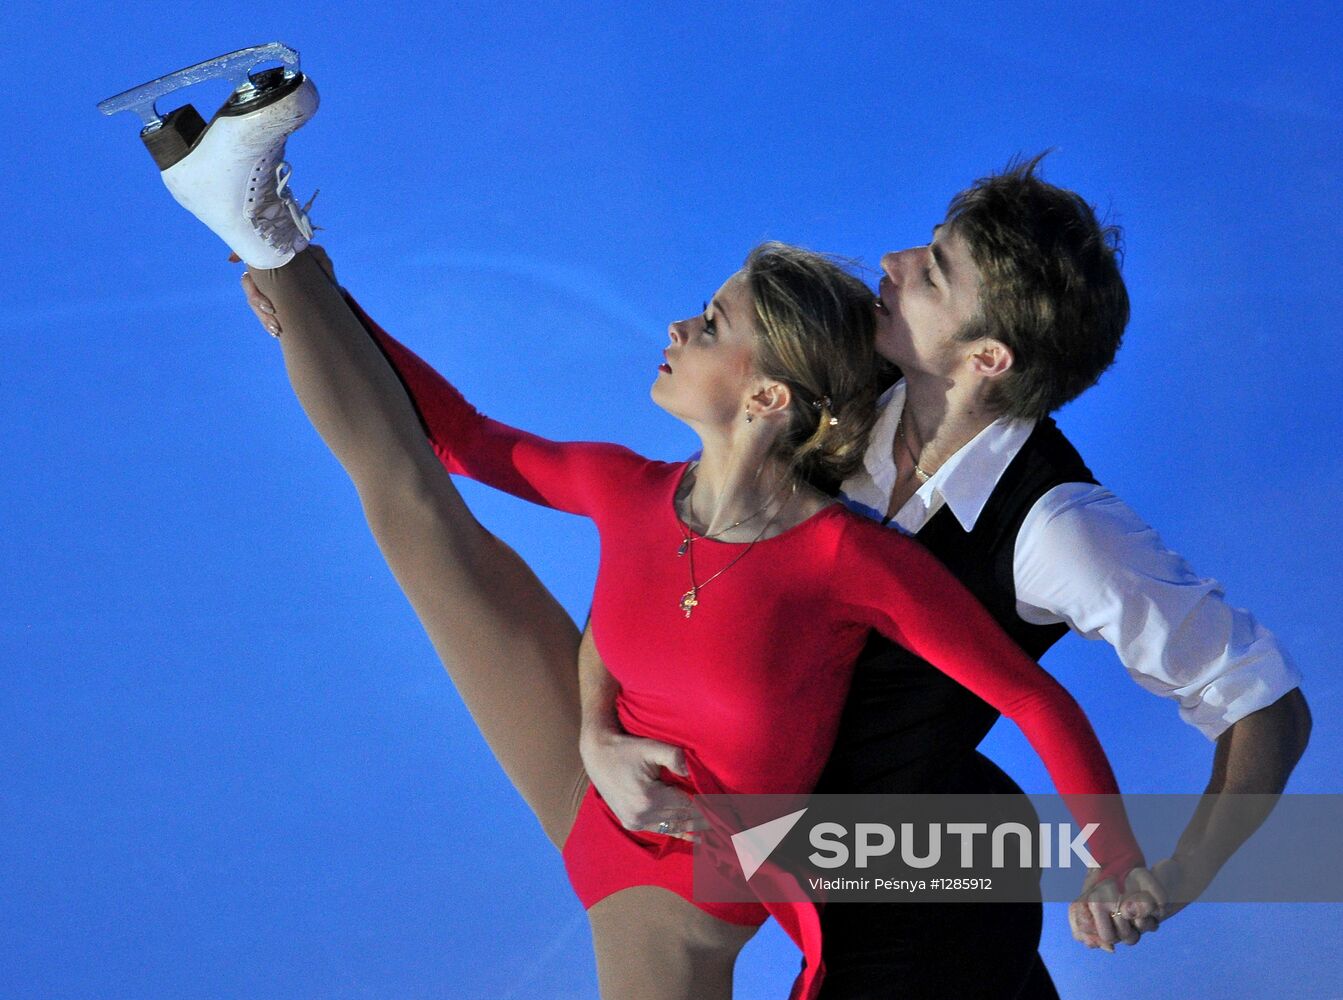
{"x":1050,"y":286}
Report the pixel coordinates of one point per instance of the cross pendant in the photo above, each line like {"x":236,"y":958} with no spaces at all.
{"x":688,"y":602}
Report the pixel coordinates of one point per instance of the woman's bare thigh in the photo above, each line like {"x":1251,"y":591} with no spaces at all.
{"x":653,"y":945}
{"x":508,"y":645}
{"x":506,"y":642}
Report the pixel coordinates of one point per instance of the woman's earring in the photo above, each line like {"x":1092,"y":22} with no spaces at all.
{"x":749,"y":418}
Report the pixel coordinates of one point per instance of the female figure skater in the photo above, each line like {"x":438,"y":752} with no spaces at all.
{"x":732,"y":596}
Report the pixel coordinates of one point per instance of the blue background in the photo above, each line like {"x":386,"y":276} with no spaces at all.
{"x":233,"y":767}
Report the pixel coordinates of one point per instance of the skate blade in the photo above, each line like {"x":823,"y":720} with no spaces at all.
{"x":232,"y":66}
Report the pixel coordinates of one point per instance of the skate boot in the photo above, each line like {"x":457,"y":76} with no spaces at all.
{"x":231,"y":173}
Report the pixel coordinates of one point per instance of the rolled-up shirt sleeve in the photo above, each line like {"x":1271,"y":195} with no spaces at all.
{"x":1083,"y":557}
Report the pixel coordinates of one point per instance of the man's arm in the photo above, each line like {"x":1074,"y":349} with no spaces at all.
{"x":1255,"y":757}
{"x":1085,"y":558}
{"x":597,"y":691}
{"x":624,"y":769}
{"x":1251,"y":765}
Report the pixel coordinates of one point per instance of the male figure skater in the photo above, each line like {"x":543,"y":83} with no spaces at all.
{"x":1015,"y":308}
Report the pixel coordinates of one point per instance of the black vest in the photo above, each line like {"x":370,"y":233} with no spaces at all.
{"x":906,"y":726}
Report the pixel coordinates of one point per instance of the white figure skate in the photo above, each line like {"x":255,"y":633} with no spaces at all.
{"x":231,"y":173}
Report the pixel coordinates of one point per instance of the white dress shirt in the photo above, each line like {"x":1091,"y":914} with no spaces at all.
{"x":1085,"y":559}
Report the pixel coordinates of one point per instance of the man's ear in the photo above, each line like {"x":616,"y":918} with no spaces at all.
{"x":991,"y":358}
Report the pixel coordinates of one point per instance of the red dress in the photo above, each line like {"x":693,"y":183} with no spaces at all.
{"x":751,"y":684}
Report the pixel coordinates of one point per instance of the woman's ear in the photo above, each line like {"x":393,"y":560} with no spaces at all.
{"x":770,"y":398}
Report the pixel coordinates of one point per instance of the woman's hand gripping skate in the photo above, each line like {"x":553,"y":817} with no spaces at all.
{"x":262,"y":306}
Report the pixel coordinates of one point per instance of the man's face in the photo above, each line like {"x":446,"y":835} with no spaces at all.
{"x":926,"y":296}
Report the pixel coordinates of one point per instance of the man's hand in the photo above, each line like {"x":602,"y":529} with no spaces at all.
{"x":1184,"y":880}
{"x":625,"y":771}
{"x":1100,"y":916}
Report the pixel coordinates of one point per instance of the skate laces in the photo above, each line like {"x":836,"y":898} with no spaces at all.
{"x":284,"y":211}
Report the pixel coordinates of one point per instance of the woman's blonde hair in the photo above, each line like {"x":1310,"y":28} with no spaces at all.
{"x":815,"y":329}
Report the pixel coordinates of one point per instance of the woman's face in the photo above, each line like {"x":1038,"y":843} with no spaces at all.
{"x":710,"y":365}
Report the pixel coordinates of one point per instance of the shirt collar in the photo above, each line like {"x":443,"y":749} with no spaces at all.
{"x":964,"y":482}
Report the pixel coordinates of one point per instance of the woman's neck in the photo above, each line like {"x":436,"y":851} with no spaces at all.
{"x":728,"y":489}
{"x":739,"y":491}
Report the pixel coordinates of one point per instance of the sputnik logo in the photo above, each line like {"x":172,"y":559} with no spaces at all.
{"x":754,"y":846}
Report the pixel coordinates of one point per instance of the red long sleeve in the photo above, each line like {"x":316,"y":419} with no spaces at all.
{"x":906,"y":594}
{"x":567,"y":476}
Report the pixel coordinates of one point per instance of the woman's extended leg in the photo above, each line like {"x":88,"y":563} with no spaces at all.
{"x":653,"y":945}
{"x":509,"y":647}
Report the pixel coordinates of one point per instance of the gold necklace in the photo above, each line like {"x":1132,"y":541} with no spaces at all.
{"x":689,"y":535}
{"x":690,"y":599}
{"x":923,"y":477}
